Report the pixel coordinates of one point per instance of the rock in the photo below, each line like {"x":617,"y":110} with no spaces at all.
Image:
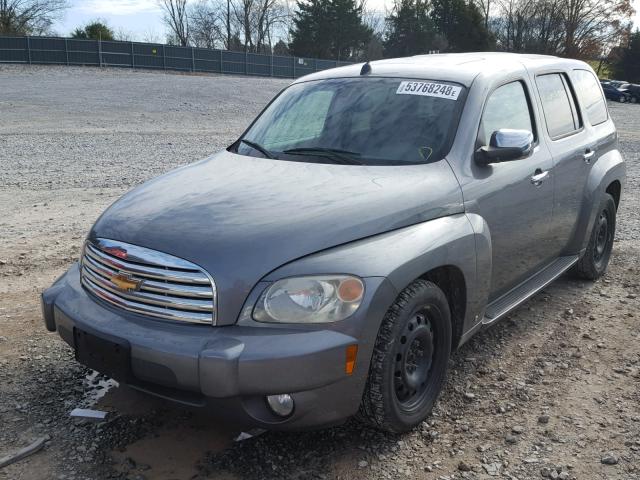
{"x":511,"y":439}
{"x":492,"y":469}
{"x":464,"y":467}
{"x":469,"y":396}
{"x":609,"y":459}
{"x":544,"y":419}
{"x":363,"y":464}
{"x":564,"y":476}
{"x":517,"y":429}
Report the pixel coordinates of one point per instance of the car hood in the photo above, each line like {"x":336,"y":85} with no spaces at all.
{"x":241,"y":217}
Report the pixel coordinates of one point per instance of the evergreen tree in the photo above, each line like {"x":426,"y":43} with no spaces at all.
{"x":462,"y":25}
{"x":329,"y":29}
{"x":627,"y":63}
{"x":311,"y":25}
{"x":281,"y":48}
{"x":410,"y":31}
{"x":95,"y":30}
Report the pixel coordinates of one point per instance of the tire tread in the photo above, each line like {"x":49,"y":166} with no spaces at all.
{"x":372,"y":408}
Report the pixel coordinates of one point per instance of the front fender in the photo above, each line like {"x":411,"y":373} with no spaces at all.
{"x":403,"y":255}
{"x":609,"y":168}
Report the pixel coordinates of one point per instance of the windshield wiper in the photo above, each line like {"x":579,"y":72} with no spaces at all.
{"x":258,"y":147}
{"x":342,"y":156}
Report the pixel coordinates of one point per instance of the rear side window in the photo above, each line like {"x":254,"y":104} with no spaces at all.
{"x":507,"y":107}
{"x":590,"y":96}
{"x":558,"y":104}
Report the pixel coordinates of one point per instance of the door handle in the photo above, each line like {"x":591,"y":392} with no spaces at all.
{"x":539,"y":176}
{"x":588,"y":155}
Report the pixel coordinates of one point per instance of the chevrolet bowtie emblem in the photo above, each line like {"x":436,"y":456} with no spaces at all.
{"x":125,"y":283}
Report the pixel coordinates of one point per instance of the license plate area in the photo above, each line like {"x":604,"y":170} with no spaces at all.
{"x":112,"y":358}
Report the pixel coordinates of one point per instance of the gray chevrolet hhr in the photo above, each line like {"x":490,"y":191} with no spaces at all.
{"x":369,"y":221}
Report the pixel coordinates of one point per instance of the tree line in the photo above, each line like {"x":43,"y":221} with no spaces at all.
{"x":347,"y":30}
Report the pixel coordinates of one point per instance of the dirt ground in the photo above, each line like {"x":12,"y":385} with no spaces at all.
{"x":551,"y":392}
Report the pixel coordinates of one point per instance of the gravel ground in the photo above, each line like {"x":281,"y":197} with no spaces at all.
{"x":551,"y":392}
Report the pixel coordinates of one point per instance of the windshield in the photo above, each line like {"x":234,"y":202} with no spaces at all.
{"x":372,"y":121}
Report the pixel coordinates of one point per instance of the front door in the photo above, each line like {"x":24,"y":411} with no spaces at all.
{"x":515,"y":198}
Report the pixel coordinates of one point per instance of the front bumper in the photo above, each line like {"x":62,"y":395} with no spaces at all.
{"x":230,"y":369}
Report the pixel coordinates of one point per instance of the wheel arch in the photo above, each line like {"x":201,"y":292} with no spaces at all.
{"x":615,"y":190}
{"x":606,"y":176}
{"x":450,"y":279}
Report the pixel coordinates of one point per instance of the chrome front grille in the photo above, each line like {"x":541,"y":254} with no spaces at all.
{"x":148,"y":282}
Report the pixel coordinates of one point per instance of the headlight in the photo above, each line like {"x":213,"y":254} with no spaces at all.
{"x":314,"y":299}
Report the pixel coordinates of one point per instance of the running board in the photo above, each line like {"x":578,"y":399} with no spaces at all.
{"x":528,"y":288}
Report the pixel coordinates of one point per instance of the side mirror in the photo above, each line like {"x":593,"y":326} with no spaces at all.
{"x":506,"y":145}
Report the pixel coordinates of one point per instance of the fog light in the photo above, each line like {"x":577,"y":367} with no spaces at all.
{"x":281,"y":405}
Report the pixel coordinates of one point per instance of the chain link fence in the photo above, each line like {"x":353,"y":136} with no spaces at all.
{"x":71,"y":51}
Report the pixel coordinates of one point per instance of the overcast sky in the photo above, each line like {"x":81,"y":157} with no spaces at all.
{"x":142,"y":19}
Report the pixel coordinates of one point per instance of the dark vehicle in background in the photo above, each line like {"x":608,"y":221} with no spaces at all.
{"x":613,"y":91}
{"x":632,"y":90}
{"x":372,"y":219}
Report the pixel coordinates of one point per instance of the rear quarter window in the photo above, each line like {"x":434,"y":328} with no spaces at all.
{"x":588,"y":90}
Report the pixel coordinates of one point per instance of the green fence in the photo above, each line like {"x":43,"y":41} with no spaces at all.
{"x":71,"y":51}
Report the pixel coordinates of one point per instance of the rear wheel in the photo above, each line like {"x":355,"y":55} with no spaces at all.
{"x":633,"y":100}
{"x":594,"y":262}
{"x":622,"y":99}
{"x":410,"y":357}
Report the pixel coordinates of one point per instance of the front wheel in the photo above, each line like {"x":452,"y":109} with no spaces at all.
{"x":596,"y":257}
{"x":622,"y":99}
{"x":409,"y":362}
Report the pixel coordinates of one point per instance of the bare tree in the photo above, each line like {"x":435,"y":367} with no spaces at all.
{"x":177,"y":19}
{"x":124,"y":35}
{"x":573,"y":28}
{"x":271,"y":17}
{"x":207,"y":24}
{"x":29,"y":17}
{"x":485,"y":9}
{"x":151,"y":36}
{"x":590,"y":23}
{"x":243,"y":11}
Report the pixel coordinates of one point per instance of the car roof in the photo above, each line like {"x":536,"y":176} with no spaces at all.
{"x":454,"y":67}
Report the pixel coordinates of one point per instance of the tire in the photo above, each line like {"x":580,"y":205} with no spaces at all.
{"x":411,"y":353}
{"x":594,"y":262}
{"x":633,"y":100}
{"x":621,"y":99}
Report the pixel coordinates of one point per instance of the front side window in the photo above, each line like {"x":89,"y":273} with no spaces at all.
{"x":372,"y":121}
{"x":588,"y":90}
{"x":558,"y":105}
{"x":506,"y":108}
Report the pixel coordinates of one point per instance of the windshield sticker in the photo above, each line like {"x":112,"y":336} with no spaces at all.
{"x":429,"y":89}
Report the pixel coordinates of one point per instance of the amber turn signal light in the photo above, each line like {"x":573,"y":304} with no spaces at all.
{"x":352,"y":352}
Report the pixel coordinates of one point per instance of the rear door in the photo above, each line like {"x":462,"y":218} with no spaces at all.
{"x":573,"y":147}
